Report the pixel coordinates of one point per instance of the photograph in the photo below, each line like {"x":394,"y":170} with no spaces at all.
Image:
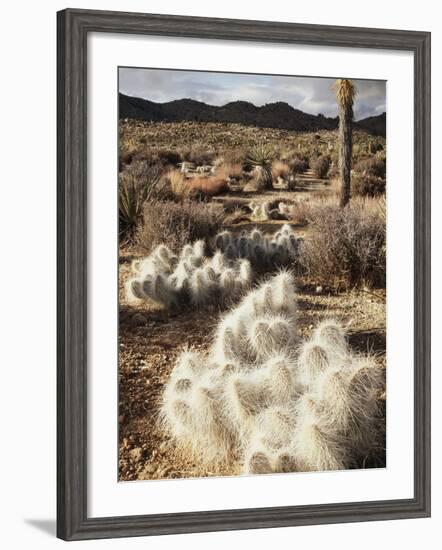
{"x":252,"y":274}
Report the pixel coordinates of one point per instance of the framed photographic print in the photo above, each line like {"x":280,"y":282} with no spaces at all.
{"x":243,"y":274}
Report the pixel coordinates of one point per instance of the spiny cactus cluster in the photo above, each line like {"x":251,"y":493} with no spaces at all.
{"x":264,"y":211}
{"x":262,"y":401}
{"x":189,"y":278}
{"x":262,"y":249}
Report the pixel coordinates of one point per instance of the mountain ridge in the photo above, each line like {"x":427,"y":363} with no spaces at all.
{"x":279,"y":115}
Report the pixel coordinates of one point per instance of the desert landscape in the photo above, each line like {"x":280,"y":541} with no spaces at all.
{"x":252,"y":323}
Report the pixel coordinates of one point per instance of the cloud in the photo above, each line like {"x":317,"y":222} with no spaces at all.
{"x":312,"y":95}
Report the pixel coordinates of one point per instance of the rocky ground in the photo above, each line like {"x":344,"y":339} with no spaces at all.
{"x":142,"y":136}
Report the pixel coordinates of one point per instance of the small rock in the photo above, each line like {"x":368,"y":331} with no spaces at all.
{"x":136,"y":454}
{"x":149,"y":469}
{"x":319,"y":289}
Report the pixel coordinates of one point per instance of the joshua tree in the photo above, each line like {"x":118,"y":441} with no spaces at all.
{"x":345,"y":94}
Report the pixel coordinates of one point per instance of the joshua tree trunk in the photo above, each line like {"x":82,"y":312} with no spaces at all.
{"x":345,"y":93}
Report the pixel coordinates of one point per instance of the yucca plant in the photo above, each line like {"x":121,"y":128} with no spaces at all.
{"x":345,"y":95}
{"x":261,"y":157}
{"x":137,"y":184}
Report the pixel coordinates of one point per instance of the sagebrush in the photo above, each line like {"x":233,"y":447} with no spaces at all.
{"x":346,"y":246}
{"x":178,"y":223}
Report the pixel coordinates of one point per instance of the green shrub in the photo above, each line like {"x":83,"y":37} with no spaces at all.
{"x":177,"y":223}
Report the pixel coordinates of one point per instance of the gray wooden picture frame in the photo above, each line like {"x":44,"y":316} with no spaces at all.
{"x":73,"y":27}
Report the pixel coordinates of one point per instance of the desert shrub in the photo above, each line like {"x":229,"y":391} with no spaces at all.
{"x":346,"y":246}
{"x":265,"y":251}
{"x":164,"y":157}
{"x":189,"y":278}
{"x":168,"y":156}
{"x":263,"y":400}
{"x":366,"y":185}
{"x":374,"y":147}
{"x":198,"y":154}
{"x":375,"y":166}
{"x":208,"y":186}
{"x":178,"y":223}
{"x":298,"y":165}
{"x":229,"y":171}
{"x":321,"y":165}
{"x":333,"y":171}
{"x":280,"y":169}
{"x":234,"y":156}
{"x":300,"y":212}
{"x":176,"y":181}
{"x":137,"y":183}
{"x":127,"y":154}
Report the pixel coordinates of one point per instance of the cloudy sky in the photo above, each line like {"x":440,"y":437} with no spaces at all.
{"x":311,"y":95}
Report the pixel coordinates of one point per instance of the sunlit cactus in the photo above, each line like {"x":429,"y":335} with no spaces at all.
{"x":260,"y":400}
{"x":264,"y":251}
{"x":190,"y":279}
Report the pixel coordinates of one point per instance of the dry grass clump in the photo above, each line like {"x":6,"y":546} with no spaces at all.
{"x":280,"y":170}
{"x":189,"y":278}
{"x":231,"y":172}
{"x":208,"y":186}
{"x":366,"y":185}
{"x":178,"y":183}
{"x":375,"y":166}
{"x":321,"y":166}
{"x":264,"y":250}
{"x":178,"y":223}
{"x":346,"y":246}
{"x":164,"y":157}
{"x":300,"y":212}
{"x":198,"y":154}
{"x":298,"y":165}
{"x":260,"y":400}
